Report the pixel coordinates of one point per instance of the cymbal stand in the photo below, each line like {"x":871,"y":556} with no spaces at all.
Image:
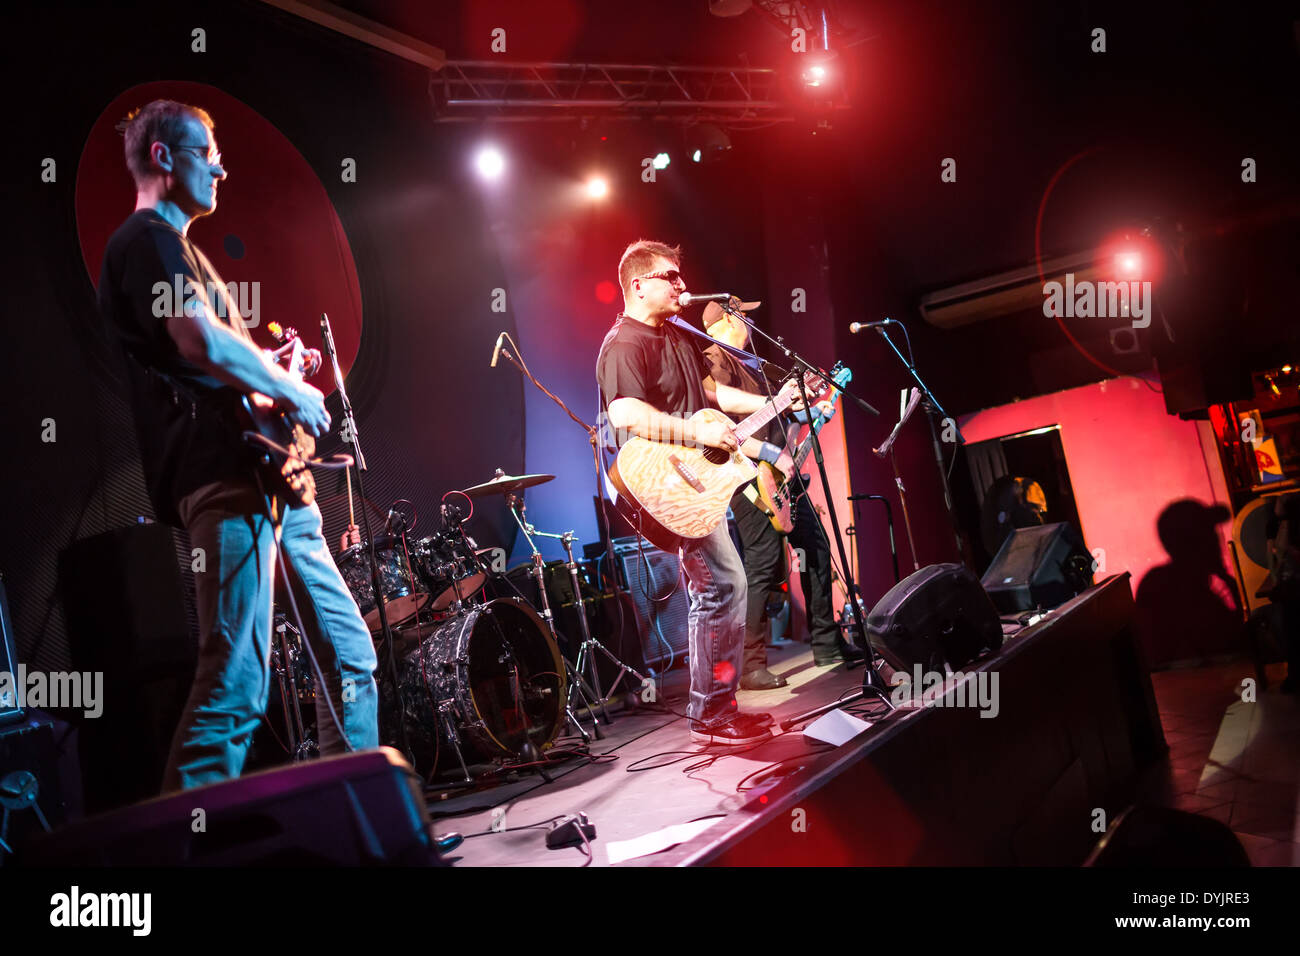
{"x":574,"y":675}
{"x":301,"y":746}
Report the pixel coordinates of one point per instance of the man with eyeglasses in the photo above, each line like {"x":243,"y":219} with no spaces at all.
{"x":652,"y":379}
{"x":187,"y":365}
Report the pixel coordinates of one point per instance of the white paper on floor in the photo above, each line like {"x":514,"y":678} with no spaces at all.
{"x":657,"y":840}
{"x":835,"y":728}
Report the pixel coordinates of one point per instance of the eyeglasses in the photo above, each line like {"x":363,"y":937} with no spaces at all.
{"x":672,"y":276}
{"x":212,"y":159}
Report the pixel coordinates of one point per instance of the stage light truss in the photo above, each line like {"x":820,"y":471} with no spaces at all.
{"x":472,"y":90}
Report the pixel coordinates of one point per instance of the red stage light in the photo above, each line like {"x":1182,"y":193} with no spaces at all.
{"x":605,"y":291}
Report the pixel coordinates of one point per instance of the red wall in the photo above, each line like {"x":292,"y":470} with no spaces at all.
{"x":1128,"y":460}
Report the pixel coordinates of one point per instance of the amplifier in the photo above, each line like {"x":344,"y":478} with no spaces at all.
{"x":652,"y":578}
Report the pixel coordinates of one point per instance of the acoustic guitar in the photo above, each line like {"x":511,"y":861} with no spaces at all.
{"x":674,"y":493}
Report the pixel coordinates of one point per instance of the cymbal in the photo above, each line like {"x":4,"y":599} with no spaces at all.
{"x":506,"y":484}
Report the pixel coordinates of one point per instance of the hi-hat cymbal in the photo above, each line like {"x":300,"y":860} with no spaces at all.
{"x":506,"y":484}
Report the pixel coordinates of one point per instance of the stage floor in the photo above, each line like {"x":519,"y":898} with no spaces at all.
{"x":658,"y":776}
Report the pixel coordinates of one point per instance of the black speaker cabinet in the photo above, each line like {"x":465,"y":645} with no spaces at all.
{"x":124,"y":601}
{"x":1040,"y":567}
{"x":934,"y":616}
{"x":362,"y":809}
{"x":659,"y":599}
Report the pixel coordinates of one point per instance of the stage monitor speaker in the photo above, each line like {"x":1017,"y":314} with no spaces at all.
{"x":659,"y":599}
{"x":938,"y":615}
{"x":11,"y":710}
{"x":1040,"y":567}
{"x":361,"y":809}
{"x":124,"y":601}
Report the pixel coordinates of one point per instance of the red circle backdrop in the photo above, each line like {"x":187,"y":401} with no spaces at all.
{"x":274,"y":223}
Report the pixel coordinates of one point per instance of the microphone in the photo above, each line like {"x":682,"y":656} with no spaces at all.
{"x":856,"y":327}
{"x":687,"y":298}
{"x":496,"y":352}
{"x":326,"y":336}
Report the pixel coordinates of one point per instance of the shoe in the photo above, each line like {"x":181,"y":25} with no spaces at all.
{"x":446,"y":842}
{"x":762,"y":679}
{"x":733,"y":731}
{"x":841,"y":655}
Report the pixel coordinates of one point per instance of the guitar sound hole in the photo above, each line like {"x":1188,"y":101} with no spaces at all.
{"x":716,"y":456}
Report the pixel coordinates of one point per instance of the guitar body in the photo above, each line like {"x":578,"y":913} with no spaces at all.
{"x":774,"y":494}
{"x":285,"y":476}
{"x":674,"y":493}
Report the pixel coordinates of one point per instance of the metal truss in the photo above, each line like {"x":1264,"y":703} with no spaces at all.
{"x":473,"y":90}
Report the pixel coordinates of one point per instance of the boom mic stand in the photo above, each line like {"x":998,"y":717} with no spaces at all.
{"x":590,"y":644}
{"x":872,"y":682}
{"x":932,"y":409}
{"x":359,"y":463}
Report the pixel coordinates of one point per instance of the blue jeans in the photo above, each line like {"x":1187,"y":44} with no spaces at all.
{"x":716,"y":623}
{"x":233,"y":592}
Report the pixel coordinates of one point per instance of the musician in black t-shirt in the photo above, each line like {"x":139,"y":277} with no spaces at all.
{"x":652,"y":379}
{"x":189,"y":356}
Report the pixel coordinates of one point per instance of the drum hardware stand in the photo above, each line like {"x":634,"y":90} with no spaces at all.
{"x":872,"y":682}
{"x":359,"y":463}
{"x":591,"y":646}
{"x":301,"y":746}
{"x":574,"y":674}
{"x":589,"y":642}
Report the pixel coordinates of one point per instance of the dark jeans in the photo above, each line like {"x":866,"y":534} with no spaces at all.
{"x":762,"y":551}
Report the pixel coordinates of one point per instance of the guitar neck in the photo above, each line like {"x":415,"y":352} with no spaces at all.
{"x":760,"y":418}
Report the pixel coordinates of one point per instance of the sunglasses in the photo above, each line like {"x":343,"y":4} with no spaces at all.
{"x":672,"y":276}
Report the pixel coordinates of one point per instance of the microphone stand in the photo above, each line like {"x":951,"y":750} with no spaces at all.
{"x":932,"y":409}
{"x":588,"y":691}
{"x":359,"y":463}
{"x":872,"y":682}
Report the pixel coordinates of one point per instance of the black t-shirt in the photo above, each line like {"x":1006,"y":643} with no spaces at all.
{"x":187,"y":433}
{"x":726,"y":369}
{"x":661,"y":366}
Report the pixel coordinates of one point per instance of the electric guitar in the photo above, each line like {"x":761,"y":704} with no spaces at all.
{"x":283,"y":449}
{"x":673,"y":493}
{"x":770,"y":492}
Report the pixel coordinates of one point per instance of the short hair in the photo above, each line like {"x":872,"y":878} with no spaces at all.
{"x":158,"y":122}
{"x":640,"y":256}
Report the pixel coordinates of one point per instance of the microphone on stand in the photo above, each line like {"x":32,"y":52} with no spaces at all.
{"x":496,"y":352}
{"x":856,"y":327}
{"x":687,"y":299}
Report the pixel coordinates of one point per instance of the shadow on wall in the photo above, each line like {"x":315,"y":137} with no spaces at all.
{"x":1189,"y":607}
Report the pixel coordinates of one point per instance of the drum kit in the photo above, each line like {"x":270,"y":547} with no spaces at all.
{"x":482,"y":674}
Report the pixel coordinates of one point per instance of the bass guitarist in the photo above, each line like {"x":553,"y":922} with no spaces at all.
{"x":188,"y":363}
{"x":762,"y":546}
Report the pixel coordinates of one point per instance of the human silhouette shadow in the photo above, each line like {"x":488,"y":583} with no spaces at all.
{"x":1189,"y":608}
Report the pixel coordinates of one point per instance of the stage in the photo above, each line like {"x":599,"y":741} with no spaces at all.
{"x":936,"y":784}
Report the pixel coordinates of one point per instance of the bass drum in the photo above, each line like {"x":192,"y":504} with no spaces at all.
{"x":501,"y":677}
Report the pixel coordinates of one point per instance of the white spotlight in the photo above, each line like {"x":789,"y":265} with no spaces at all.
{"x":597,"y":187}
{"x":490,"y":163}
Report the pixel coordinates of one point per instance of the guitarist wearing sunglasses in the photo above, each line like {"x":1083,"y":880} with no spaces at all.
{"x":189,"y":364}
{"x":652,"y":378}
{"x":762,"y":546}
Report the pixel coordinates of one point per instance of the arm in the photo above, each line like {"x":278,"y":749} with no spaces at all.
{"x":734,"y":401}
{"x":210,"y":345}
{"x":645,"y":421}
